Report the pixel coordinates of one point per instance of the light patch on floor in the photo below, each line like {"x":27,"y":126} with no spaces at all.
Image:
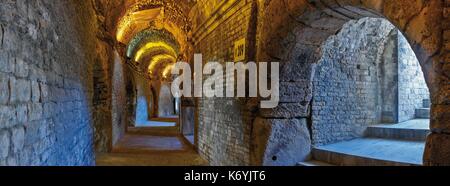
{"x":410,"y":152}
{"x":145,"y":150}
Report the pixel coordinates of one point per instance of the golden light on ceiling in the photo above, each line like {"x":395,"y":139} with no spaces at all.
{"x":167,"y":70}
{"x":154,"y":46}
{"x":158,"y":59}
{"x":134,"y":20}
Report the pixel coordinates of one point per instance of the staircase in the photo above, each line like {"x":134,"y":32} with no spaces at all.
{"x":424,"y":112}
{"x":401,"y":144}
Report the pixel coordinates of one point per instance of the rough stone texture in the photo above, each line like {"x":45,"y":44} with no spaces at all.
{"x":119,"y":100}
{"x":346,"y":84}
{"x":421,"y":21}
{"x":65,"y":85}
{"x":283,"y":142}
{"x":389,"y":80}
{"x":4,"y":144}
{"x":440,"y":118}
{"x":188,"y":120}
{"x":166,"y":102}
{"x":368,"y":82}
{"x":412,"y":86}
{"x":102,"y":98}
{"x":146,"y":102}
{"x":437,"y":152}
{"x":45,"y":66}
{"x":224,"y":123}
{"x":4,"y":88}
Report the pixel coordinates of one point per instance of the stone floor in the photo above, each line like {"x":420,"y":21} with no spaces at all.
{"x":415,"y":130}
{"x":190,"y":138}
{"x":411,"y":124}
{"x":368,"y":151}
{"x":400,"y":144}
{"x":155,"y":124}
{"x":169,"y":121}
{"x":146,"y":150}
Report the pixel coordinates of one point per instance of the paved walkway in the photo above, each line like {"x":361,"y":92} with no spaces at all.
{"x":407,"y":152}
{"x":411,"y":124}
{"x":147,"y":150}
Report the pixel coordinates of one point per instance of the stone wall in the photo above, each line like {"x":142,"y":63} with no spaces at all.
{"x":166,"y":104}
{"x":224,"y":123}
{"x":119,"y":99}
{"x":412,"y":86}
{"x":144,"y":100}
{"x":346,"y":83}
{"x":368,"y":74}
{"x":388,"y":80}
{"x":46,"y":84}
{"x":102,"y":97}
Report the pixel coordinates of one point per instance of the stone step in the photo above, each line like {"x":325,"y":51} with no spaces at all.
{"x":371,"y":152}
{"x":314,"y":163}
{"x":423,"y":113}
{"x":415,"y":130}
{"x":426,"y":103}
{"x":154,"y":131}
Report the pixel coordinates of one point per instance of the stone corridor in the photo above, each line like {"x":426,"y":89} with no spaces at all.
{"x":89,"y":82}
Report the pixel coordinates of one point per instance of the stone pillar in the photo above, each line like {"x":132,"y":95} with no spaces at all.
{"x":437,"y":150}
{"x":280,"y":142}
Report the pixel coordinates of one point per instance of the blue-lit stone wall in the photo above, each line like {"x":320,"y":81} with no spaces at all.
{"x":46,"y":82}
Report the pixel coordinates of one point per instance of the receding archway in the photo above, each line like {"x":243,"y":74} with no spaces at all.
{"x":166,"y":103}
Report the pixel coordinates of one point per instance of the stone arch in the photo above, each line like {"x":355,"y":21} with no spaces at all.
{"x":170,"y":15}
{"x":297,"y":47}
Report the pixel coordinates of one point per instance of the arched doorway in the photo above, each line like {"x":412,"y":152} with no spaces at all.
{"x":166,"y":103}
{"x":297,"y":46}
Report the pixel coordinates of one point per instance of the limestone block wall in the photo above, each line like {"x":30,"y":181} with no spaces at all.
{"x":346,"y":83}
{"x":166,"y":104}
{"x":144,"y":99}
{"x":412,"y":86}
{"x":388,"y":80}
{"x":119,"y":99}
{"x":46,"y":82}
{"x":224,"y":124}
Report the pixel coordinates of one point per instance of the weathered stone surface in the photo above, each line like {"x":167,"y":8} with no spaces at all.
{"x":22,"y":69}
{"x":437,"y":150}
{"x":401,"y":11}
{"x":4,"y":88}
{"x":41,"y":44}
{"x":358,"y":69}
{"x":35,"y":92}
{"x":440,"y":118}
{"x":287,"y":110}
{"x":21,"y":112}
{"x":18,"y":138}
{"x":20,"y":90}
{"x":35,"y":111}
{"x":300,"y":64}
{"x":278,"y":142}
{"x":7,"y":116}
{"x":412,"y":88}
{"x":4,"y":144}
{"x":295,"y":91}
{"x":224,"y":124}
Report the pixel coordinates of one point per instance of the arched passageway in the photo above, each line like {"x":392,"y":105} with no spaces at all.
{"x":298,"y":46}
{"x":84,"y":82}
{"x":166,"y":103}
